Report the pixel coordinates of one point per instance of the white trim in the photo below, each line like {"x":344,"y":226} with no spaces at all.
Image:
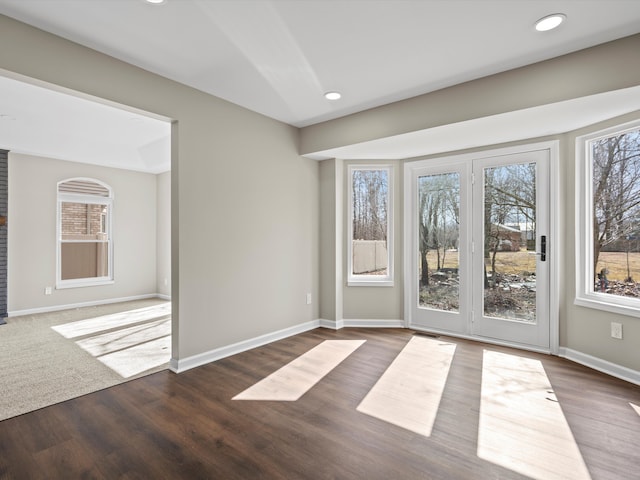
{"x":478,"y":338}
{"x":555,"y":242}
{"x":445,"y":163}
{"x":604,"y":366}
{"x":65,"y":197}
{"x":56,"y":308}
{"x":585,"y":294}
{"x":79,"y":283}
{"x":364,"y":282}
{"x":331,"y":324}
{"x":373,"y":323}
{"x":600,"y":301}
{"x":407,"y":250}
{"x":414,"y":170}
{"x":179,"y":366}
{"x":184,"y":364}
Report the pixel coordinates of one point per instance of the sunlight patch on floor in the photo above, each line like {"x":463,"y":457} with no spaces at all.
{"x":94,"y":325}
{"x":122,"y":339}
{"x":139,"y":358}
{"x":293,"y":380}
{"x":129,"y":343}
{"x":408,"y":393}
{"x":521,"y":425}
{"x":635,"y":407}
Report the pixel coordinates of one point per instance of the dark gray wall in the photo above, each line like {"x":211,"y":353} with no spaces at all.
{"x":4,"y":193}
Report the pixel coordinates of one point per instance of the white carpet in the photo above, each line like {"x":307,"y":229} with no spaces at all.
{"x":108,"y":344}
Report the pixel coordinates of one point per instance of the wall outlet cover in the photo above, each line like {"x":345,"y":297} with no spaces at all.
{"x":616,"y":330}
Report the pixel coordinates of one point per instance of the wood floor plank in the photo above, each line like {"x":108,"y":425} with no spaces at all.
{"x":187,"y":426}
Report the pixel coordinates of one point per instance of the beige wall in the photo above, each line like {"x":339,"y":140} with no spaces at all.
{"x":331,"y":239}
{"x":244,"y":203}
{"x":374,"y":303}
{"x":583,"y":329}
{"x":607,"y":67}
{"x":603,"y":68}
{"x":163,"y":234}
{"x":238,"y":183}
{"x":32,"y":233}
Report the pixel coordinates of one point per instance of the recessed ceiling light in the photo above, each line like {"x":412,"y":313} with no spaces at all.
{"x":332,"y":95}
{"x":156,"y":2}
{"x":550,"y":22}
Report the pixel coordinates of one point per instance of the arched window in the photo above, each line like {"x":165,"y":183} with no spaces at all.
{"x":85,"y":250}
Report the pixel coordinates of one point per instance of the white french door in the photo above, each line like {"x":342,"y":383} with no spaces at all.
{"x":477,"y":245}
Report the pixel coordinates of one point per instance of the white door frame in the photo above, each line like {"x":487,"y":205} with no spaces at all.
{"x":553,"y":244}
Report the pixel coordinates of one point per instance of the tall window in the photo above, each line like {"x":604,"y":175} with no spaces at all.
{"x":609,"y":240}
{"x":84,"y":233}
{"x":370,"y":226}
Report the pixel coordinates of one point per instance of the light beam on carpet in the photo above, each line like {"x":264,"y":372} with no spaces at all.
{"x":409,"y":392}
{"x":522,"y":427}
{"x":139,"y":358}
{"x":94,"y":325}
{"x":635,"y":407}
{"x":129,"y":343}
{"x":293,"y":380}
{"x":125,"y":338}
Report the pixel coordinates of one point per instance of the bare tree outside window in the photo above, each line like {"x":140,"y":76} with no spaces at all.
{"x":439,"y":227}
{"x":370,"y":221}
{"x":509,"y":241}
{"x":615,"y":173}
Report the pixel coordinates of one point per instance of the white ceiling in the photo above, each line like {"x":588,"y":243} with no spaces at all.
{"x":40,"y":121}
{"x":278,"y":57}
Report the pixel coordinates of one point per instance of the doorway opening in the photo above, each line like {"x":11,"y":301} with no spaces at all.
{"x":53,"y":135}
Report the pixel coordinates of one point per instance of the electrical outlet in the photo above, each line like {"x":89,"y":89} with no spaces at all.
{"x":308,"y":299}
{"x":616,"y":330}
{"x":47,"y":290}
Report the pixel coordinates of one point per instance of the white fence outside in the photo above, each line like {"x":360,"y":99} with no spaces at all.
{"x":369,"y":256}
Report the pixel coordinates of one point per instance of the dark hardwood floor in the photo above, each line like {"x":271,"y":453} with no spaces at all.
{"x":186,"y":426}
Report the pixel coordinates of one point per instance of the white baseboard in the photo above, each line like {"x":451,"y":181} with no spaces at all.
{"x":373,"y":323}
{"x":56,"y":308}
{"x":181,"y":365}
{"x":604,"y":366}
{"x":360,"y":323}
{"x":331,"y":324}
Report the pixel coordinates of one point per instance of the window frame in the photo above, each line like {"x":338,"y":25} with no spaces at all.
{"x":66,"y":197}
{"x":586,"y":295}
{"x":371,"y":280}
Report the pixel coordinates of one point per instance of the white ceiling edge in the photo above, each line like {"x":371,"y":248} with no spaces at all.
{"x":46,"y":120}
{"x":529,"y":123}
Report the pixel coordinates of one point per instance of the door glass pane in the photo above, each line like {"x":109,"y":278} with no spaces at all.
{"x":510,"y":242}
{"x":439,"y":227}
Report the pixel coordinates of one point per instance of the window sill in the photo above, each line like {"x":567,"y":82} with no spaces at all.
{"x":370,"y":283}
{"x":83,"y":283}
{"x":602,"y":302}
